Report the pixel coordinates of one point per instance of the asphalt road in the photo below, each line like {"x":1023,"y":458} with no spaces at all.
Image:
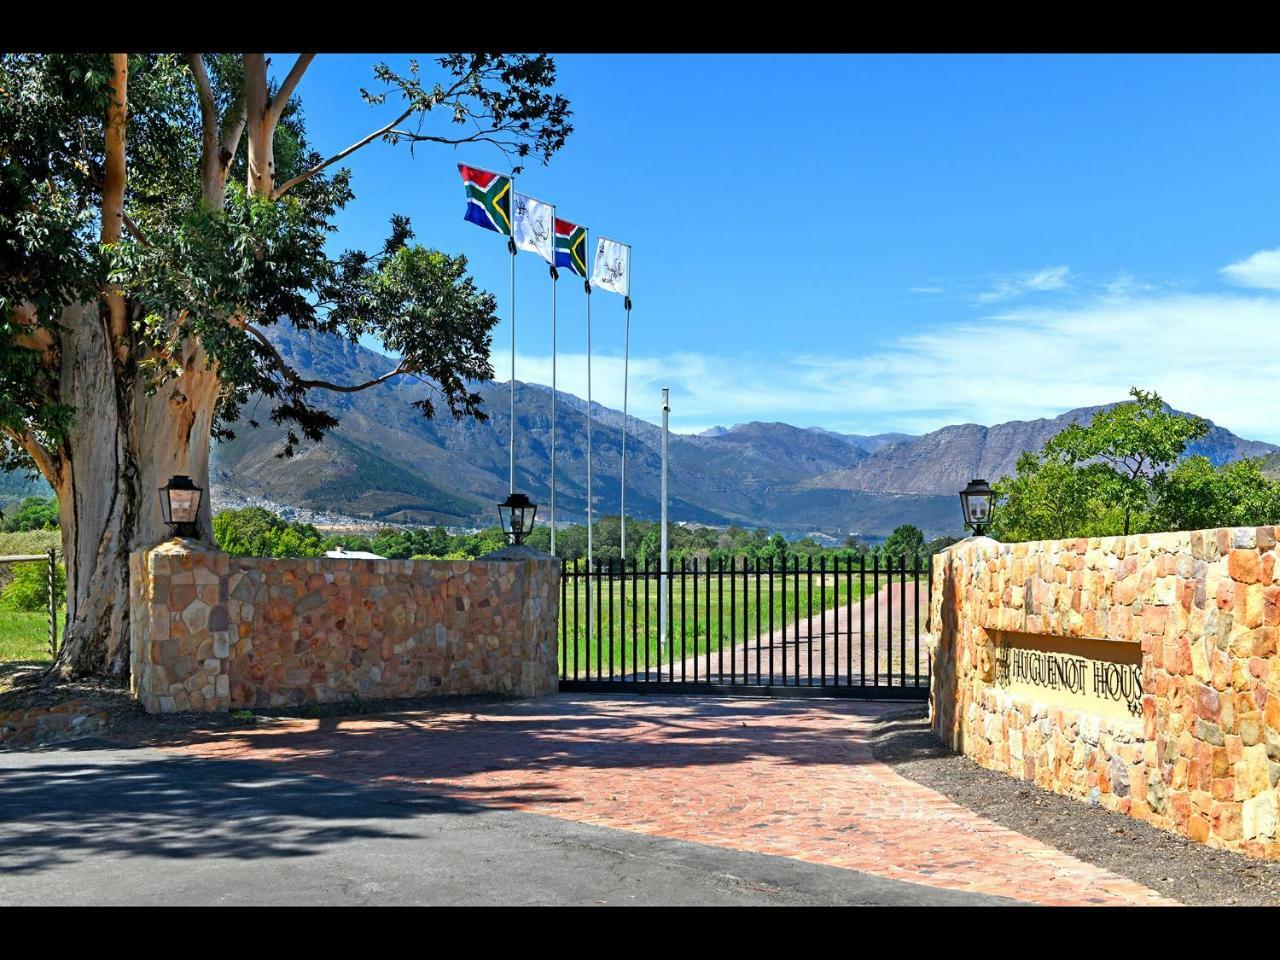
{"x":93,"y":823}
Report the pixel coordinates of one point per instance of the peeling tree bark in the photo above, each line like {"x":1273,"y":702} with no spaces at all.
{"x":260,"y":125}
{"x":125,"y":441}
{"x":127,"y":444}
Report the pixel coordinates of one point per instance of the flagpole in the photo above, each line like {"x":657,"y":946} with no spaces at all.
{"x":590,"y":553}
{"x":511,"y":245}
{"x":554,"y":277}
{"x":662,"y":563}
{"x":626,"y":360}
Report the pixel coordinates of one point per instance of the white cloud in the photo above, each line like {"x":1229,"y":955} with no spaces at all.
{"x":1126,"y":285}
{"x":1262,"y":270}
{"x":927,"y":290}
{"x":1210,"y":354}
{"x":1008,"y":288}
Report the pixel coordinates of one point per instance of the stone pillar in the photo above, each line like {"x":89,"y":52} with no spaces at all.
{"x":539,"y":574}
{"x":180,"y":634}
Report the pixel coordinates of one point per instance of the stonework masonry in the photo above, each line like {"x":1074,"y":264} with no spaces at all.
{"x":1202,"y":758}
{"x":215,"y":632}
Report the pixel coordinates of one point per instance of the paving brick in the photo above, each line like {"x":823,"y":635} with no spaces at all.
{"x":789,"y":778}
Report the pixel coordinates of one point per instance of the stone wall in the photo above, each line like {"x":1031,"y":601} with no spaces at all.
{"x":216,"y":632}
{"x":1203,"y":757}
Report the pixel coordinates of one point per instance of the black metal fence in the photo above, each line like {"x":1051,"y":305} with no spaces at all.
{"x":830,"y":627}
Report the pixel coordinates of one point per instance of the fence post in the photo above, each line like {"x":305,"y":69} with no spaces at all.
{"x":53,"y":603}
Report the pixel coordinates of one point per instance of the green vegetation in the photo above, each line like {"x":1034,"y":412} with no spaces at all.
{"x":28,"y":588}
{"x":1124,"y":473}
{"x":255,"y":532}
{"x":34,"y":513}
{"x":715,"y":546}
{"x":25,"y":636}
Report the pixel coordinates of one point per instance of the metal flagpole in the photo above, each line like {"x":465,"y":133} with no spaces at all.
{"x":662,"y":563}
{"x":590,"y":554}
{"x":587,"y":286}
{"x":511,"y":245}
{"x":626,"y":360}
{"x":554,"y":277}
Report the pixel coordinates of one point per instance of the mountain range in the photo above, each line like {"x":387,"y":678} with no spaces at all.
{"x":386,"y":463}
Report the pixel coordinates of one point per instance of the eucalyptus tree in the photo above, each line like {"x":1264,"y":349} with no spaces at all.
{"x":158,"y":215}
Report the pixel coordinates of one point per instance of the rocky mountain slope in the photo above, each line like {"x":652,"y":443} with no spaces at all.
{"x":386,"y":463}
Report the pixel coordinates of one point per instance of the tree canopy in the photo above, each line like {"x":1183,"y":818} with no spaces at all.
{"x":1126,"y":472}
{"x":159,"y":215}
{"x":210,"y":251}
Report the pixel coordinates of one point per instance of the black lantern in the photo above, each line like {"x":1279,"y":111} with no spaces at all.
{"x":978,"y":501}
{"x":180,"y":504}
{"x":516,"y":514}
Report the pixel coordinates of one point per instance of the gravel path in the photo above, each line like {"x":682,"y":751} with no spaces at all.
{"x":1178,"y":868}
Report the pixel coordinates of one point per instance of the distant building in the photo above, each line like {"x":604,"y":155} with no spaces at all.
{"x":340,"y":554}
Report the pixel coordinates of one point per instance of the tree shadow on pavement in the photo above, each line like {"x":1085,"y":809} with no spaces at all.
{"x":59,"y":807}
{"x":531,"y":741}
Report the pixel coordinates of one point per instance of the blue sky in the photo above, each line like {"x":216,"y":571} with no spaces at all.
{"x":877,"y":243}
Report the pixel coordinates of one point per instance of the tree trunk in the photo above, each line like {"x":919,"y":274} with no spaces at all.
{"x":259,"y":126}
{"x":123,"y":446}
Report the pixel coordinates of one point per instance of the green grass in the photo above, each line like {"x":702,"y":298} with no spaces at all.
{"x":25,"y":636}
{"x":732,"y":619}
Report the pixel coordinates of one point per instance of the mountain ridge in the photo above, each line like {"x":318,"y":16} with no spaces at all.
{"x":392,"y":465}
{"x":385,"y":463}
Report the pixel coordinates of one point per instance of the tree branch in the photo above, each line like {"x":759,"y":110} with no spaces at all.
{"x":278,"y":102}
{"x":210,"y":164}
{"x":404,"y":367}
{"x":308,"y":174}
{"x":113,"y":192}
{"x":208,"y":107}
{"x":232,"y":129}
{"x":45,"y":461}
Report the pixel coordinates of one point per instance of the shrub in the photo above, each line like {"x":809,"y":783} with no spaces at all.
{"x":28,"y":591}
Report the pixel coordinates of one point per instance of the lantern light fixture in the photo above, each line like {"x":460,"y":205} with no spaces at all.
{"x":180,"y":505}
{"x":516,"y":515}
{"x":978,"y":502}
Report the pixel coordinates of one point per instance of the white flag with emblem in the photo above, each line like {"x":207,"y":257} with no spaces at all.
{"x":534,"y":227}
{"x":612,"y":267}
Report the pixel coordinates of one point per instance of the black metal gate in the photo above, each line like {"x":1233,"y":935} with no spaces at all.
{"x":828,"y":628}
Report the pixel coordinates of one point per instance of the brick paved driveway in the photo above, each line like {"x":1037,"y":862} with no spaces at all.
{"x":783,"y":777}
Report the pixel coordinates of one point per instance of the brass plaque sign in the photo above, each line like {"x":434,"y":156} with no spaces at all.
{"x":1098,"y":676}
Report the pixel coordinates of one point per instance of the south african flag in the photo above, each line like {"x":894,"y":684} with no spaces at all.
{"x":571,"y":247}
{"x":488,"y":199}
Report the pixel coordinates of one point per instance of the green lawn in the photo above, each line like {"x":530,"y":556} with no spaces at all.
{"x":25,"y":636}
{"x":731,"y":616}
